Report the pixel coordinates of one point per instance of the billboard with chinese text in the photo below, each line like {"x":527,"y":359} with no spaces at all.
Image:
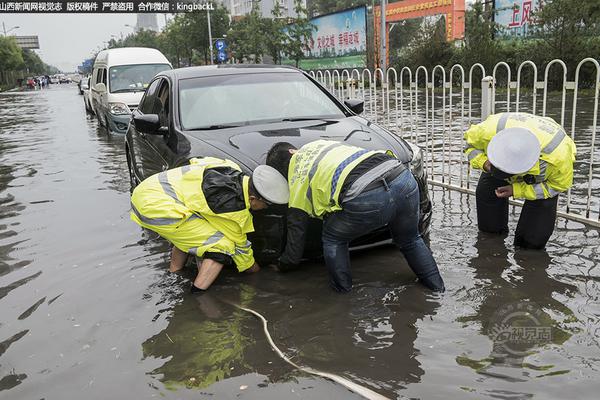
{"x":339,"y":41}
{"x":515,"y":17}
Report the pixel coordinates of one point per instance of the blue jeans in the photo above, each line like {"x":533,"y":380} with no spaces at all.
{"x":395,"y":205}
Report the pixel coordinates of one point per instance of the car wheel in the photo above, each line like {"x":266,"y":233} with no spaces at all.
{"x":133,"y":180}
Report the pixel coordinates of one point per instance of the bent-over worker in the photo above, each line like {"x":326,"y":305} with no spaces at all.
{"x":203,"y":209}
{"x":526,"y":157}
{"x":355,"y":191}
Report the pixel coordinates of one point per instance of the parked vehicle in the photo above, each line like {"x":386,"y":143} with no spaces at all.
{"x":119,"y":79}
{"x":238,"y":112}
{"x":64,"y":79}
{"x":86,"y":94}
{"x":83,"y":85}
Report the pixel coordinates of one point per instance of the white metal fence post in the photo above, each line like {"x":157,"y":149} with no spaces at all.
{"x":487,"y":98}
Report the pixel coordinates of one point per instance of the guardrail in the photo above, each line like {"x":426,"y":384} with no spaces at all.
{"x":433,"y":108}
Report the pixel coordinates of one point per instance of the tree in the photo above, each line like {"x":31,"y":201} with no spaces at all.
{"x":480,"y":31}
{"x":248,"y":36}
{"x":11,"y":57}
{"x":299,"y":33}
{"x":275,"y":37}
{"x":429,"y":46}
{"x":570,"y":30}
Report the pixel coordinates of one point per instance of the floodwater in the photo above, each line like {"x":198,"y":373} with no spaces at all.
{"x":88,"y":309}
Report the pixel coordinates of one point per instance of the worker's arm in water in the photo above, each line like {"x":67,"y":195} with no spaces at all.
{"x":208,"y":270}
{"x":297,"y":225}
{"x":254,"y":268}
{"x":477,"y":139}
{"x":558,"y":180}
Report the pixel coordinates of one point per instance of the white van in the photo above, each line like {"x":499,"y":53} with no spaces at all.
{"x":119,"y":80}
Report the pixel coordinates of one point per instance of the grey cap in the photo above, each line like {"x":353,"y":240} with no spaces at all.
{"x":270,"y":185}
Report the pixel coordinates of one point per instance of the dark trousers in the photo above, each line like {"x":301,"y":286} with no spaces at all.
{"x":536,"y":222}
{"x":396,"y":205}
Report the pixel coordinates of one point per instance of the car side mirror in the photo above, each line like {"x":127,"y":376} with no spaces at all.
{"x":100,"y":87}
{"x":356,"y":105}
{"x":147,"y":123}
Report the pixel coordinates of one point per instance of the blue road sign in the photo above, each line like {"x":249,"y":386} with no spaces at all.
{"x":220,"y":44}
{"x":221,"y":56}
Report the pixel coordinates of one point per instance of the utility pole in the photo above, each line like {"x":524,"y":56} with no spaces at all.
{"x":210,"y":42}
{"x":383,"y":37}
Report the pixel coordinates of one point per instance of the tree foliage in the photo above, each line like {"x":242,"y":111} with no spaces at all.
{"x":11,"y":56}
{"x":249,"y":36}
{"x":299,"y":33}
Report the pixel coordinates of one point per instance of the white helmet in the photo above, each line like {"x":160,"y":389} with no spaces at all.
{"x":270,"y":185}
{"x":514,"y":150}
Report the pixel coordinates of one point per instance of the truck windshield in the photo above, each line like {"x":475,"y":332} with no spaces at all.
{"x":224,"y":101}
{"x":133,"y":78}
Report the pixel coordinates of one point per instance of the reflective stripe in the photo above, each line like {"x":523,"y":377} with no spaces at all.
{"x":185,"y":169}
{"x":543,"y":167}
{"x":168,"y":189}
{"x":154,"y":221}
{"x":502,"y":122}
{"x":213,"y":239}
{"x":551,"y":191}
{"x":245,"y":249}
{"x":239,"y":250}
{"x":195,"y":216}
{"x":315,"y":165}
{"x":474,"y":154}
{"x":340,"y":169}
{"x":539,"y":191}
{"x":555,"y":142}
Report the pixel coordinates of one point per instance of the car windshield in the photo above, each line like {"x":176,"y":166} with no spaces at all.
{"x":133,"y":78}
{"x":246,"y":99}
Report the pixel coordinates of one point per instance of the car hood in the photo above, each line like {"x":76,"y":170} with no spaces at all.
{"x":131,"y":98}
{"x":250,"y":147}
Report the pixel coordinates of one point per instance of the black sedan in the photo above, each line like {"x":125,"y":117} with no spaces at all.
{"x":238,"y":112}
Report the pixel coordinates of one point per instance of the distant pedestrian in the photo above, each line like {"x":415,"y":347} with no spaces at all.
{"x":526,"y":157}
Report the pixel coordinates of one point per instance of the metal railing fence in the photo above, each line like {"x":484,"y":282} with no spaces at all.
{"x":432,"y":108}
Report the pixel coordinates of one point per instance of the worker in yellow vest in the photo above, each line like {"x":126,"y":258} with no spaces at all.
{"x":525,"y":157}
{"x":203,"y":209}
{"x":355,"y":191}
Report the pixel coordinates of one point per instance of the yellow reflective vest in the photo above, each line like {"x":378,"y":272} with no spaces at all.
{"x":173,"y":204}
{"x":552,"y":174}
{"x":317,"y":173}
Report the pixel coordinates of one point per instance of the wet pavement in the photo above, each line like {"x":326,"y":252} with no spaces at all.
{"x":88,"y":309}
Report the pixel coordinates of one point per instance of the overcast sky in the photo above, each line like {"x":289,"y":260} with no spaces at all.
{"x":68,"y":39}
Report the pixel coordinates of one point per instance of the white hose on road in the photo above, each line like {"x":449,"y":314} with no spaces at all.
{"x":354,"y":387}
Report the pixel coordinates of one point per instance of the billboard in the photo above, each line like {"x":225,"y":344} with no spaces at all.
{"x":515,"y":17}
{"x":27,"y":42}
{"x":339,"y":41}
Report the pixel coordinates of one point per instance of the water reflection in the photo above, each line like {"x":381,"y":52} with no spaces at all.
{"x":206,"y":341}
{"x":517,"y":309}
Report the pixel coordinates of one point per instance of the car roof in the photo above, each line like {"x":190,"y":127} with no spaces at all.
{"x":130,"y":55}
{"x":226,"y":69}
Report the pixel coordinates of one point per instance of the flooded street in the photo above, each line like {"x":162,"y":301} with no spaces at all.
{"x":89,"y":310}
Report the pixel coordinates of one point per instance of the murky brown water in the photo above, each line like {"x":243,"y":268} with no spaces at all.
{"x":88,"y":309}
